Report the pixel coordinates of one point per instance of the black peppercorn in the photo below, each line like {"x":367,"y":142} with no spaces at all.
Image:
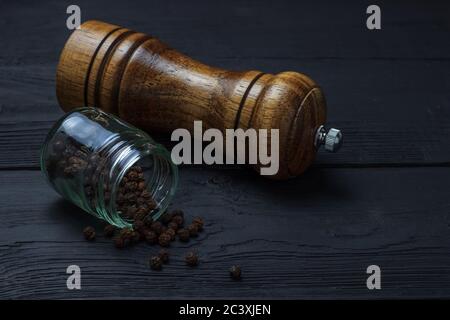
{"x":148,"y":220}
{"x":126,"y":233}
{"x":130,"y":197}
{"x":235,"y":272}
{"x":146,"y":195}
{"x":138,"y":225}
{"x":119,"y":243}
{"x":141,"y":186}
{"x":164,"y":240}
{"x":166,"y":217}
{"x":131,"y":186}
{"x":155,"y":263}
{"x":132,"y":175}
{"x":199,"y":222}
{"x":130,"y":211}
{"x":140,"y":201}
{"x":151,"y":237}
{"x":143,"y":232}
{"x":193,"y":230}
{"x":89,"y":233}
{"x":178,"y":212}
{"x":164,"y":255}
{"x":178,"y":220}
{"x":141,"y":213}
{"x":151,"y":204}
{"x":135,"y":236}
{"x":157,"y":227}
{"x":183,"y":235}
{"x":171,"y":233}
{"x":109,"y":230}
{"x":191,"y":259}
{"x":173,"y":225}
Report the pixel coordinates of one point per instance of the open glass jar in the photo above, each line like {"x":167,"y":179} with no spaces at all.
{"x":108,"y":167}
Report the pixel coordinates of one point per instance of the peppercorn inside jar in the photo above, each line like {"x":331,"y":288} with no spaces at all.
{"x":108,"y":167}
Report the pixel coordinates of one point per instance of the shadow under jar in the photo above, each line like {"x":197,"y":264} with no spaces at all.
{"x":108,"y":168}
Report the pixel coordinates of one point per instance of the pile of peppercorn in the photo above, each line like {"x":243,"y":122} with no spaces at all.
{"x":162,"y":233}
{"x":69,"y":159}
{"x":135,"y":202}
{"x":133,"y":199}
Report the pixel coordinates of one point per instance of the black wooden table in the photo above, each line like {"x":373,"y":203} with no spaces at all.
{"x":383,"y":199}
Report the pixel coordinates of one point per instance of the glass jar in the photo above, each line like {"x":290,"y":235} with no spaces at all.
{"x":108,"y":167}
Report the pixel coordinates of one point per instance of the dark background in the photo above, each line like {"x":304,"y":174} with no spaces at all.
{"x":383,"y":199}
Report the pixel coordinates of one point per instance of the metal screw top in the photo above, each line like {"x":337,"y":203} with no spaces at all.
{"x":331,"y":139}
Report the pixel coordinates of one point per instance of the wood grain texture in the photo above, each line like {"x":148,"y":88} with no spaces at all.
{"x":159,"y":89}
{"x":309,"y":237}
{"x":412,"y":30}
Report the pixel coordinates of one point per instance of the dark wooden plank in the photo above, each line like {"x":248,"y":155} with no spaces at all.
{"x":391,"y":112}
{"x":306,"y":238}
{"x":240,"y":29}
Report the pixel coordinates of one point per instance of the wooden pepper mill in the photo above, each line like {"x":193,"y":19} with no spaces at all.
{"x":154,"y":87}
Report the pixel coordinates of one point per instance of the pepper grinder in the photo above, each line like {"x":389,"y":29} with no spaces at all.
{"x":158,"y":89}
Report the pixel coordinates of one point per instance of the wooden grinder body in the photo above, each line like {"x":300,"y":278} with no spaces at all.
{"x":156,"y":88}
